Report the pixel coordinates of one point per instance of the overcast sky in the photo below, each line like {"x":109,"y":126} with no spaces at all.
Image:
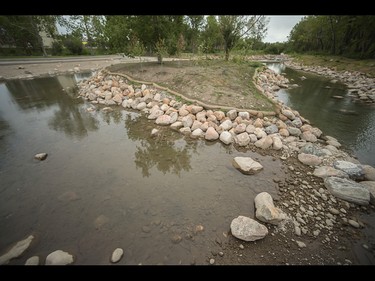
{"x":280,"y":27}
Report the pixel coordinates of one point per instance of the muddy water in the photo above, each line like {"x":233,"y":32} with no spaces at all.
{"x":107,"y":184}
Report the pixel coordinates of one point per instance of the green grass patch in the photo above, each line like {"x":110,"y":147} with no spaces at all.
{"x":338,"y":63}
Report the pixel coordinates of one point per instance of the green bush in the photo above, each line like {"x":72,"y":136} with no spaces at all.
{"x":57,"y":48}
{"x":74,"y":46}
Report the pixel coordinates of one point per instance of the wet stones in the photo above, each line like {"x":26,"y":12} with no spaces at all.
{"x":354,"y":171}
{"x":32,"y":261}
{"x":370,"y":185}
{"x":41,"y":156}
{"x":59,"y":257}
{"x":247,"y":229}
{"x":309,"y":159}
{"x":327,"y":171}
{"x":17,"y":250}
{"x":266,"y":211}
{"x":117,"y":255}
{"x":347,"y":190}
{"x":247,"y":165}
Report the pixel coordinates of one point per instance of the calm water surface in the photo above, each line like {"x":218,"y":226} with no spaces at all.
{"x":107,"y":184}
{"x":353,"y":124}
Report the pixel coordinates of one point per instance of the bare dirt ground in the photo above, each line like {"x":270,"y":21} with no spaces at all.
{"x":210,"y":81}
{"x":229,"y":86}
{"x":20,"y":68}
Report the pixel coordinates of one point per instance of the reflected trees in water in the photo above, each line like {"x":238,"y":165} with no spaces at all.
{"x":168,"y":152}
{"x":46,"y":93}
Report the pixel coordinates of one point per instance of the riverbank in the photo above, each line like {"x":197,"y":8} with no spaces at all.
{"x":361,"y":85}
{"x":320,"y":229}
{"x":315,"y":214}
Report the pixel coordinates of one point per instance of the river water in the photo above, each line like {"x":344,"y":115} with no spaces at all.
{"x":353,"y":124}
{"x":107,"y":184}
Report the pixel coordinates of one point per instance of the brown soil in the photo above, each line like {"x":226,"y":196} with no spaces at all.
{"x":210,"y":81}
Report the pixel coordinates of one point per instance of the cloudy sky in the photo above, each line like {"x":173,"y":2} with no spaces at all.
{"x":280,"y":27}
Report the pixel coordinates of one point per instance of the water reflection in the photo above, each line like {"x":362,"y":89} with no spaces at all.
{"x":316,"y":99}
{"x":117,"y":186}
{"x":73,"y":121}
{"x":57,"y":94}
{"x":168,"y":152}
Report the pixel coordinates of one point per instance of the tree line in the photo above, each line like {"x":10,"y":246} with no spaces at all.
{"x":351,"y":36}
{"x":134,"y":35}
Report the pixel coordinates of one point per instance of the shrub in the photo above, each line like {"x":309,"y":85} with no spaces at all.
{"x":57,"y":48}
{"x":74,"y":46}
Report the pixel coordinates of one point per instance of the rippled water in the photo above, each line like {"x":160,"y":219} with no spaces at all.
{"x":107,"y":184}
{"x":353,"y":124}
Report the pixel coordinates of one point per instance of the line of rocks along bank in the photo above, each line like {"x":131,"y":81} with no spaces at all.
{"x":286,"y":131}
{"x":360,"y":86}
{"x":314,"y":208}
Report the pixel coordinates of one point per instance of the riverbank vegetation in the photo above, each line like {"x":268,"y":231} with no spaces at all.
{"x":342,"y":42}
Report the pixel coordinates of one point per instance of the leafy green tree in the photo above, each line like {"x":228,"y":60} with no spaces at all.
{"x":233,"y":28}
{"x":350,"y":36}
{"x":194,"y":26}
{"x":212,"y":38}
{"x":156,"y":33}
{"x":24,"y":31}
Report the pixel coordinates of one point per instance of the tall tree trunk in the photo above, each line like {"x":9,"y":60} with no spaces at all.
{"x":333,"y":33}
{"x":226,"y":53}
{"x":37,"y":35}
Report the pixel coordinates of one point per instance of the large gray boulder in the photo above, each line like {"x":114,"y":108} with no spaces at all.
{"x":370,"y":185}
{"x":247,"y":229}
{"x":348,"y":190}
{"x":354,"y":171}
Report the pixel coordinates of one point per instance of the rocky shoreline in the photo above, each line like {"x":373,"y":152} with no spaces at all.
{"x":361,"y":88}
{"x":315,"y":202}
{"x":285,"y":131}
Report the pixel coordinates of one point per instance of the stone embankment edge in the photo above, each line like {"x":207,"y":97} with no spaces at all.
{"x":207,"y":106}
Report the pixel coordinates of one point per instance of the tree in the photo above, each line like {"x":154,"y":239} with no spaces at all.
{"x":23,"y":31}
{"x":233,"y":28}
{"x":194,"y":28}
{"x":212,"y":39}
{"x":350,"y":36}
{"x":156,"y":33}
{"x":87,"y":27}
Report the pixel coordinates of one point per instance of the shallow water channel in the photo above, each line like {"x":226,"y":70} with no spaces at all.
{"x":106,"y":183}
{"x":353,"y":124}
